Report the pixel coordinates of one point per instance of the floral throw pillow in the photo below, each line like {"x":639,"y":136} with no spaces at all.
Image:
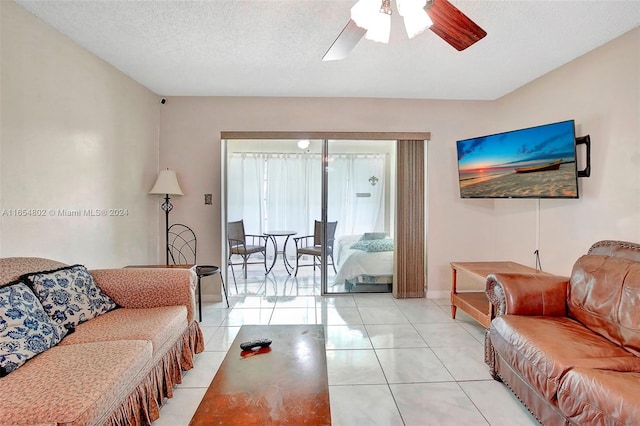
{"x":69,"y":295}
{"x":25,"y":328}
{"x":373,"y":246}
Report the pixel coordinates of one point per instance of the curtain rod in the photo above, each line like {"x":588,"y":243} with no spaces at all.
{"x":306,"y":153}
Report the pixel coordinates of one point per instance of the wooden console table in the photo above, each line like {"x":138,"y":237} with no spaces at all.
{"x":475,"y":303}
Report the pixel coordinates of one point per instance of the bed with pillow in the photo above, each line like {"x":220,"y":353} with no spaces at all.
{"x":364,"y":262}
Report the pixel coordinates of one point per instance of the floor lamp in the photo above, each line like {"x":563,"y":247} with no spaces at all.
{"x":166,"y":184}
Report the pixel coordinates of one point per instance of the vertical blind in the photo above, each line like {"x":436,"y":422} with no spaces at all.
{"x":409,"y":273}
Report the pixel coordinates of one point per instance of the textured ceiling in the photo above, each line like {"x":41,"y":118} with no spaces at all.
{"x":274,"y":47}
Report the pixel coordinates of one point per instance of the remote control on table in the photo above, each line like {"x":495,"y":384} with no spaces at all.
{"x":262,"y":343}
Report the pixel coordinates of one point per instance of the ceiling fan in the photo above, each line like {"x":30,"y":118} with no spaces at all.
{"x":448,"y":22}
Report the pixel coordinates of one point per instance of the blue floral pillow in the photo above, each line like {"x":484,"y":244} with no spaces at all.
{"x":25,"y":328}
{"x":69,"y":295}
{"x":372,"y":246}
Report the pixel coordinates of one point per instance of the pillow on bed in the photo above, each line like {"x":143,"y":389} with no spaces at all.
{"x":373,"y":236}
{"x":372,"y":246}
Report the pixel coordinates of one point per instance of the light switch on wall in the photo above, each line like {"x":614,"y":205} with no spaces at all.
{"x":207,"y":199}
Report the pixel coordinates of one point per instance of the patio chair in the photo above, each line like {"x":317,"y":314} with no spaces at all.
{"x":244,"y":245}
{"x":312,"y":245}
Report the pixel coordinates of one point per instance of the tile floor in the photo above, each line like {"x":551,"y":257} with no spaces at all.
{"x":390,"y":361}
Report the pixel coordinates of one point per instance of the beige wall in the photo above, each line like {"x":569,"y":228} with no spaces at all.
{"x":190,"y":143}
{"x":76,"y":134}
{"x":600,"y":91}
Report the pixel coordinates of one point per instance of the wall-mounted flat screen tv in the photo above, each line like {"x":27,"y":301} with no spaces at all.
{"x":537,"y":162}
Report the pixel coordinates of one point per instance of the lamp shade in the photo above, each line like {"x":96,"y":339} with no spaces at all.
{"x":167,"y":183}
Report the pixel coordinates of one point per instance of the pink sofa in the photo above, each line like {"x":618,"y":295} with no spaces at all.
{"x":117,"y":368}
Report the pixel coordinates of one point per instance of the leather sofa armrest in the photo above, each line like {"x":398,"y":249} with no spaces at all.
{"x":527,"y":294}
{"x":149,"y":287}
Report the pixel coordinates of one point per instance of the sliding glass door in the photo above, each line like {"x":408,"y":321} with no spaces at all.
{"x":324,"y":209}
{"x":360,"y":176}
{"x":274,"y":188}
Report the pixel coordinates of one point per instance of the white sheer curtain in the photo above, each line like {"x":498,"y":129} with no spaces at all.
{"x":356,"y":192}
{"x":292,"y":193}
{"x":282,"y":192}
{"x":245,"y":182}
{"x":290,"y":186}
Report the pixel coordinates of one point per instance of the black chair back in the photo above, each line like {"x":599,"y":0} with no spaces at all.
{"x":235,"y":233}
{"x":331,"y":233}
{"x":182,"y":245}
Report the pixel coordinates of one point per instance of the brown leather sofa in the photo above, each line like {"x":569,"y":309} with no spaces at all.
{"x":569,"y":348}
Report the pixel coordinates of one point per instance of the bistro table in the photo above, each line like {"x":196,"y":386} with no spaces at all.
{"x":272,"y":236}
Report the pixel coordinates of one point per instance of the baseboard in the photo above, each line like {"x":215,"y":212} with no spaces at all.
{"x":431,"y":294}
{"x":212,"y":298}
{"x":438,"y":294}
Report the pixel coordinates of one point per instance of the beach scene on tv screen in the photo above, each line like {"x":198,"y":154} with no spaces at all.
{"x":537,"y":162}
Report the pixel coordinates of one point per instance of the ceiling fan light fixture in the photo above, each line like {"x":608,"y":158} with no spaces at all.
{"x":449,"y":23}
{"x":415,"y":17}
{"x":385,"y":7}
{"x":407,"y":7}
{"x":416,"y":23}
{"x":362,"y":12}
{"x":368,"y":14}
{"x":380,"y":30}
{"x":375,"y":17}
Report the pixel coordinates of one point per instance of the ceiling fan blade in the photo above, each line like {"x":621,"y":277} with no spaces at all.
{"x":453,"y":26}
{"x":346,"y":41}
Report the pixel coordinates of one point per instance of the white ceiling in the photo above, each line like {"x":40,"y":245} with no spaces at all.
{"x":274,"y":47}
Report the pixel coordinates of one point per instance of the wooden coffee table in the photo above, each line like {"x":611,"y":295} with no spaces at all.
{"x":284,"y":384}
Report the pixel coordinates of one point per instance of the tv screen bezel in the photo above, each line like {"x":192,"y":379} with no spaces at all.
{"x":516,"y":196}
